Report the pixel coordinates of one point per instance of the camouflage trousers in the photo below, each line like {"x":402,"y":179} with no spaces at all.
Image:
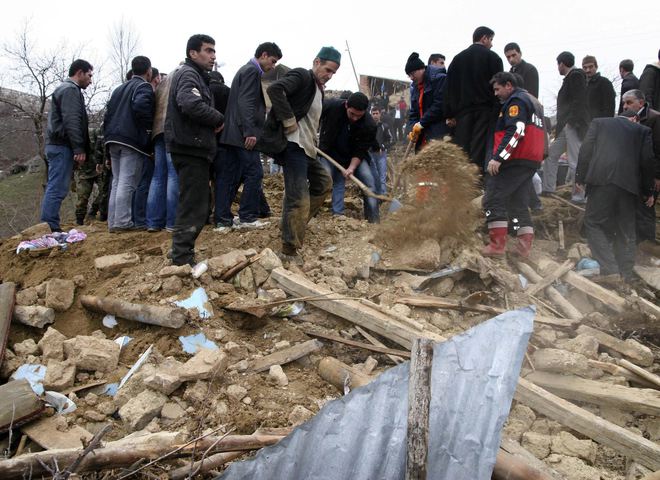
{"x":84,"y":189}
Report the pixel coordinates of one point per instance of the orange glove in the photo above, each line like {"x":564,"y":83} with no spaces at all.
{"x":415,"y":132}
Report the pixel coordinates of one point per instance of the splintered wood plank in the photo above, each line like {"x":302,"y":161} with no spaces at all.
{"x":45,"y":433}
{"x":285,"y":356}
{"x":7,"y":296}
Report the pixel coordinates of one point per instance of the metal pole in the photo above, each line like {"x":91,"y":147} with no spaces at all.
{"x":357,"y":80}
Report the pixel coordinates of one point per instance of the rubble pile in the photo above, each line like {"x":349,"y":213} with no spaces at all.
{"x":259,"y":345}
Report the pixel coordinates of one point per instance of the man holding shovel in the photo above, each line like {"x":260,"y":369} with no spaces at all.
{"x":348,"y":132}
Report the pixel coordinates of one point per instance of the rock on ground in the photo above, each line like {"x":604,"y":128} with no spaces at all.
{"x":26,"y":347}
{"x":92,"y":353}
{"x":59,"y":375}
{"x":563,"y":361}
{"x":59,"y":294}
{"x":573,"y":468}
{"x":538,"y":444}
{"x":52,"y":345}
{"x":34,"y":315}
{"x":115,"y":263}
{"x":299,"y":415}
{"x":277,"y":376}
{"x":205,"y":364}
{"x":140,"y":410}
{"x":567,"y":444}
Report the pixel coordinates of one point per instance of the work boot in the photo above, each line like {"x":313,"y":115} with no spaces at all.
{"x":497,"y":245}
{"x":524,"y":244}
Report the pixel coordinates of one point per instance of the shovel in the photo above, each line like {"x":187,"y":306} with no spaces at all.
{"x":366,"y":190}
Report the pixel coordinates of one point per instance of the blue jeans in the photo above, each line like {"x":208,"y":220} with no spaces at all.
{"x":60,"y":168}
{"x":164,"y":189}
{"x":363,"y":173}
{"x":306,"y":185}
{"x":141,"y":195}
{"x":127,"y":167}
{"x":379,"y":170}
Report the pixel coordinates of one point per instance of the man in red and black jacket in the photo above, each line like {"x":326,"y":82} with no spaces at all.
{"x":517,"y":153}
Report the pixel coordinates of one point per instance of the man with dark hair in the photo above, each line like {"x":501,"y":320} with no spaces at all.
{"x":600,"y":91}
{"x":572,"y":123}
{"x":526,"y":70}
{"x":89,"y":173}
{"x":238,"y":161}
{"x":290,"y":137}
{"x":347,"y":134}
{"x":127,"y":129}
{"x":617,"y":166}
{"x":437,"y":60}
{"x":517,"y":153}
{"x":628,"y":79}
{"x":191,"y":125}
{"x":378,"y":153}
{"x":67,"y":139}
{"x":649,"y":83}
{"x":426,"y":120}
{"x":633,"y":100}
{"x":470,"y":106}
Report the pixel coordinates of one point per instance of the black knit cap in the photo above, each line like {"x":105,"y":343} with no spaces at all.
{"x":358,"y":101}
{"x":414,"y":63}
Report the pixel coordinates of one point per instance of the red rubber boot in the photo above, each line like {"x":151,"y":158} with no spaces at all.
{"x":524,"y":244}
{"x":497,"y":245}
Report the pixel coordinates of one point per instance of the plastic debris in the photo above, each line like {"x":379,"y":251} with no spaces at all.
{"x":136,"y":366}
{"x":123,"y":341}
{"x":109,"y":321}
{"x":56,"y":239}
{"x":523,"y":281}
{"x":33,"y":373}
{"x":61,"y":403}
{"x":199,"y":300}
{"x":193,"y":343}
{"x":199,"y":269}
{"x":587,"y":267}
{"x":289,"y":309}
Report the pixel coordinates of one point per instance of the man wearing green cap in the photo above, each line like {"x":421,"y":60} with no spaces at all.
{"x":289,"y":136}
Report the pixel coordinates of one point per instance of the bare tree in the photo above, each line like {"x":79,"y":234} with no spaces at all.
{"x":124,"y":42}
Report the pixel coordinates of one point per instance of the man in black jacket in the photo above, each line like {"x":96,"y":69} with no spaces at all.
{"x":628,"y":79}
{"x":526,"y":70}
{"x":239,"y":162}
{"x":600,"y":91}
{"x":190,"y":127}
{"x":347,"y":134}
{"x":634,"y":101}
{"x":67,"y":139}
{"x":572,"y":123}
{"x":615,"y":159}
{"x":378,"y":154}
{"x":470,"y":105}
{"x":290,"y":137}
{"x":649,"y":83}
{"x":127,"y":128}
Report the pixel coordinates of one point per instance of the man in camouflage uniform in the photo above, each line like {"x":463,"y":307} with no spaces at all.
{"x":91,"y":172}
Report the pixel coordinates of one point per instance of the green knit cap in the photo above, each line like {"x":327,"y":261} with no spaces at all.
{"x":330,"y":54}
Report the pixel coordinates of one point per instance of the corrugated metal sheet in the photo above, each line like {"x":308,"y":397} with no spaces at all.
{"x":362,"y":436}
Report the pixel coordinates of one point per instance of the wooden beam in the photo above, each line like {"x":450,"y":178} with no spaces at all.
{"x":151,"y":314}
{"x":510,"y":467}
{"x":566,"y":307}
{"x":285,"y":356}
{"x":352,"y":310}
{"x":353,"y":343}
{"x":606,"y":433}
{"x":566,"y":202}
{"x":7,"y":297}
{"x":429,"y":301}
{"x":340,"y":375}
{"x":18,"y":404}
{"x":570,"y":387}
{"x":560,"y":232}
{"x":613,"y":369}
{"x":635,"y":352}
{"x":419,"y":401}
{"x":375,"y":341}
{"x":639,"y":371}
{"x":516,"y":450}
{"x":551,"y":278}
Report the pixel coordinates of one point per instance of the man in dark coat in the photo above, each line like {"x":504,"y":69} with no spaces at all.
{"x":526,"y":70}
{"x":239,"y":162}
{"x":470,"y":105}
{"x":426,"y":119}
{"x":572,"y":123}
{"x":634,"y":101}
{"x":649,"y":83}
{"x":67,"y":139}
{"x":600,"y":91}
{"x":628,"y":79}
{"x":290,"y":136}
{"x":347,"y":134}
{"x":191,"y":124}
{"x":617,"y":165}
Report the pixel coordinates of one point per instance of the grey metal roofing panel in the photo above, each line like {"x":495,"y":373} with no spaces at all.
{"x":363,"y":434}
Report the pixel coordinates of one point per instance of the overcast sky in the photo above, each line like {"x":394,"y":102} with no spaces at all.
{"x":381,"y":35}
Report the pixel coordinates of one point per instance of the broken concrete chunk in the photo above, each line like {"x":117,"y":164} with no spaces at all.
{"x":34,"y":316}
{"x":198,"y":392}
{"x":573,"y":468}
{"x":115,"y":263}
{"x":59,"y":375}
{"x":537,"y":444}
{"x":59,"y":294}
{"x":164,"y":381}
{"x":519,"y":422}
{"x":26,"y":347}
{"x":204,"y":365}
{"x":139,"y":411}
{"x":562,"y":361}
{"x":172,"y":411}
{"x":259,"y":273}
{"x":27,"y":296}
{"x":567,"y":444}
{"x":218,"y":266}
{"x":336,"y":284}
{"x":583,"y":344}
{"x":277,"y":376}
{"x":269,"y":260}
{"x":234,"y":350}
{"x":175,"y":270}
{"x":91,"y":353}
{"x":172,"y":285}
{"x":236,"y":393}
{"x":299,"y":415}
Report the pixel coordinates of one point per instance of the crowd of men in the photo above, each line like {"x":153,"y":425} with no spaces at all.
{"x":171,"y":140}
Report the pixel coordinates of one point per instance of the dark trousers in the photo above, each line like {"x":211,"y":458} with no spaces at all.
{"x":472,"y":134}
{"x":192,"y":209}
{"x":609,"y":224}
{"x":142,"y":194}
{"x":507,"y":196}
{"x":645,"y":221}
{"x":306,"y":185}
{"x":227,"y":178}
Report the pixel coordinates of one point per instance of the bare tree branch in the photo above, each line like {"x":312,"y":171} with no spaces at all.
{"x":124,"y":43}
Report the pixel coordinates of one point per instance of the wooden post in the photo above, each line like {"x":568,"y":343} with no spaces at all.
{"x":560,"y":231}
{"x":151,"y":314}
{"x":419,"y":400}
{"x":566,"y":307}
{"x":7,"y":295}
